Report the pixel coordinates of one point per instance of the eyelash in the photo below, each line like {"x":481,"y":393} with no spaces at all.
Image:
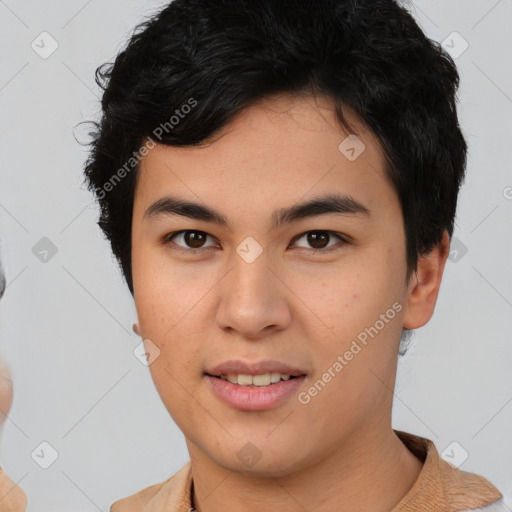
{"x":178,"y":248}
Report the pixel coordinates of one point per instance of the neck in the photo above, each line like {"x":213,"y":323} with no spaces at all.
{"x":372,"y":471}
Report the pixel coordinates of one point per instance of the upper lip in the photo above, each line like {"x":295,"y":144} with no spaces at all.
{"x":240,"y":367}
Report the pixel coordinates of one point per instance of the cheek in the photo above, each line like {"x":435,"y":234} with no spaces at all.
{"x":176,"y":372}
{"x":176,"y":392}
{"x":357,"y":317}
{"x":345,"y":300}
{"x":161,"y":291}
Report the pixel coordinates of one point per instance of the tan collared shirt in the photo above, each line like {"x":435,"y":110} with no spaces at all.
{"x":440,"y":487}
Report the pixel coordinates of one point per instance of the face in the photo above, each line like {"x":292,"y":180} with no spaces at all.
{"x":237,"y":279}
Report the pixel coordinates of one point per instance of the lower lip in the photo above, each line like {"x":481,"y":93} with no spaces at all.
{"x":254,"y":398}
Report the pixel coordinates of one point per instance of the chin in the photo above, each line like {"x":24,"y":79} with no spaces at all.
{"x":262,"y":461}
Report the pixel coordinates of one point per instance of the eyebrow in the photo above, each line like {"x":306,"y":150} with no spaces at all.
{"x":332,"y":203}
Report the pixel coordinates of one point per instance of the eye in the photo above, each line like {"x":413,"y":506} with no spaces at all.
{"x":319,"y":240}
{"x":192,"y":239}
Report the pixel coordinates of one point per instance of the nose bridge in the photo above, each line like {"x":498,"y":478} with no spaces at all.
{"x":250,"y":262}
{"x":251,"y":299}
{"x":249,"y":283}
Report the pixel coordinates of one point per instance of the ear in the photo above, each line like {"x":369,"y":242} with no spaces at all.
{"x":136,"y":329}
{"x":424,"y":284}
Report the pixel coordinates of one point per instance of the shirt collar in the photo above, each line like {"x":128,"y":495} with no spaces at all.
{"x":441,"y":487}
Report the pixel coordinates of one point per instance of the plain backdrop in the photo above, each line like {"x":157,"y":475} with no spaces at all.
{"x":66,"y":322}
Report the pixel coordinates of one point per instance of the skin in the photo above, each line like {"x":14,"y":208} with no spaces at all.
{"x":6,"y":392}
{"x":291,"y":304}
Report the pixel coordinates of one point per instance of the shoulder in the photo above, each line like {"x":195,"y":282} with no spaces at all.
{"x":451,"y":488}
{"x":136,"y":501}
{"x":497,"y":506}
{"x":176,"y":488}
{"x":467,"y":491}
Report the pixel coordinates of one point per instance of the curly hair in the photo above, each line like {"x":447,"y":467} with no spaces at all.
{"x":189,"y":69}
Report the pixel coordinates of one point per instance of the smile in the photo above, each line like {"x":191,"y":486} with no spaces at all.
{"x":264,"y":379}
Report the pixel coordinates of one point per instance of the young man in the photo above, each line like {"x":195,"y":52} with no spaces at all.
{"x":278,"y":181}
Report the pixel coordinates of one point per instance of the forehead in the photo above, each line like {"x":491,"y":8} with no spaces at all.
{"x":276,"y":151}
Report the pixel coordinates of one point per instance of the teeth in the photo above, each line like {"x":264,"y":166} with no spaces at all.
{"x":255,"y":380}
{"x":232,"y":378}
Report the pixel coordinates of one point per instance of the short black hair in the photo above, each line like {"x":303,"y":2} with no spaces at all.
{"x":190,"y":68}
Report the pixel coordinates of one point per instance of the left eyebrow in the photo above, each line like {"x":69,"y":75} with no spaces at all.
{"x":333,"y":203}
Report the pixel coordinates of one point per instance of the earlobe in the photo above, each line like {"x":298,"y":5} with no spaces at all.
{"x":424,"y":286}
{"x":136,"y":329}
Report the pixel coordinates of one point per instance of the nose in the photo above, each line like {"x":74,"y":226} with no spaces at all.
{"x":253,"y":300}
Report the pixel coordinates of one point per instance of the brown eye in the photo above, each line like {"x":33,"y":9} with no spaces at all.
{"x":194,"y":239}
{"x":319,"y":240}
{"x":188,"y":239}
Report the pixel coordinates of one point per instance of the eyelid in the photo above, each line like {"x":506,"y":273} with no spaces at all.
{"x":167,"y":239}
{"x":343,"y":238}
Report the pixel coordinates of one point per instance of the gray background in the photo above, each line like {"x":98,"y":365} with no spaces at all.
{"x":66,"y":323}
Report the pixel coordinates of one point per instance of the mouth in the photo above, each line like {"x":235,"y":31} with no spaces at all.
{"x":255,"y":393}
{"x":254,"y":386}
{"x":258,"y":380}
